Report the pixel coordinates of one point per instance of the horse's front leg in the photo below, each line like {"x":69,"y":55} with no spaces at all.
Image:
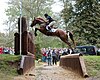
{"x":35,"y":31}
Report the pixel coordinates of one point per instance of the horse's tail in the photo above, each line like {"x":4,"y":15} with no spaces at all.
{"x":70,"y":35}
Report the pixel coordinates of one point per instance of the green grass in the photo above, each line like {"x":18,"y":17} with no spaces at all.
{"x":8,"y":57}
{"x":7,"y":69}
{"x":93,"y":65}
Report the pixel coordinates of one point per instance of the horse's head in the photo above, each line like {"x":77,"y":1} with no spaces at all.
{"x":34,"y":22}
{"x":37,"y":21}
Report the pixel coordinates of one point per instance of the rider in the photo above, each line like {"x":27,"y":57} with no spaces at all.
{"x":50,"y":20}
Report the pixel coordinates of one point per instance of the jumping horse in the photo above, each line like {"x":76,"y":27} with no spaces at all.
{"x":63,"y":35}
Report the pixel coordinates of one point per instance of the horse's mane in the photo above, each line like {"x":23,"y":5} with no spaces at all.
{"x":40,"y":19}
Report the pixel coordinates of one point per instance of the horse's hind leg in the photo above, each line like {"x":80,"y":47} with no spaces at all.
{"x":71,"y":37}
{"x":70,"y":47}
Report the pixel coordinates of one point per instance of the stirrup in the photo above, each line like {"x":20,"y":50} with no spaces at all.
{"x":49,"y":27}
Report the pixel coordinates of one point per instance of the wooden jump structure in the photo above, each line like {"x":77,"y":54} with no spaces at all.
{"x":74,"y":62}
{"x":27,"y":47}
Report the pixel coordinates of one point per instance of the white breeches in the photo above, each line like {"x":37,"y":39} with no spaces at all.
{"x":52,"y":23}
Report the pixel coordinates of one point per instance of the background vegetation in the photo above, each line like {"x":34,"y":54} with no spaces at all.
{"x":8,"y":66}
{"x":82,"y":17}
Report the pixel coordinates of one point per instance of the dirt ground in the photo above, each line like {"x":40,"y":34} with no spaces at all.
{"x":46,"y":72}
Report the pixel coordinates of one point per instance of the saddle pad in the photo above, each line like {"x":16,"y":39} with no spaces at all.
{"x":53,"y":30}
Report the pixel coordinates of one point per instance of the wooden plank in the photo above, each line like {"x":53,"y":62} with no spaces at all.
{"x":74,"y":62}
{"x":84,"y":72}
{"x":27,"y":62}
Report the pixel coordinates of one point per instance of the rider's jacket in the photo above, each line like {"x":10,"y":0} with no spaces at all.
{"x":49,"y":19}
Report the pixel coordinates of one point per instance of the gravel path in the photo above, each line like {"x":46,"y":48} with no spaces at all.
{"x":45,"y":72}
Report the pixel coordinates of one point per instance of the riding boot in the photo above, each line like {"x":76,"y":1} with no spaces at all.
{"x":49,"y":27}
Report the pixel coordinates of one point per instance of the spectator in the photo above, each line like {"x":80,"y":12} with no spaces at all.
{"x":49,"y":57}
{"x":43,"y":55}
{"x":65,"y":52}
{"x":54,"y":57}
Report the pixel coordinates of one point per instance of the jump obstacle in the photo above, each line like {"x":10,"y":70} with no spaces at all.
{"x":27,"y":47}
{"x":75,"y":62}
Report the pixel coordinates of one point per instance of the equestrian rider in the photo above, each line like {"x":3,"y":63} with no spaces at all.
{"x":50,"y":20}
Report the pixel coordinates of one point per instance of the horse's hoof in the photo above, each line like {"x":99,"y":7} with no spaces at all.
{"x":73,"y":52}
{"x":35,"y":34}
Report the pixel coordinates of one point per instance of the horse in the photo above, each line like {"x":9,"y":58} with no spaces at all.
{"x":63,"y":35}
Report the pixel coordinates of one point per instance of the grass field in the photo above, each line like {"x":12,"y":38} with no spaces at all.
{"x":7,"y":67}
{"x":93,"y":65}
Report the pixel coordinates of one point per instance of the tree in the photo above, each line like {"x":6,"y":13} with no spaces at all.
{"x":84,"y":16}
{"x":6,"y":40}
{"x":30,"y":9}
{"x":88,"y":19}
{"x":2,"y":40}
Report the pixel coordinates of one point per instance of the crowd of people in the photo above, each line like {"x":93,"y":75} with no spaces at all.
{"x":51,"y":56}
{"x":6,"y":50}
